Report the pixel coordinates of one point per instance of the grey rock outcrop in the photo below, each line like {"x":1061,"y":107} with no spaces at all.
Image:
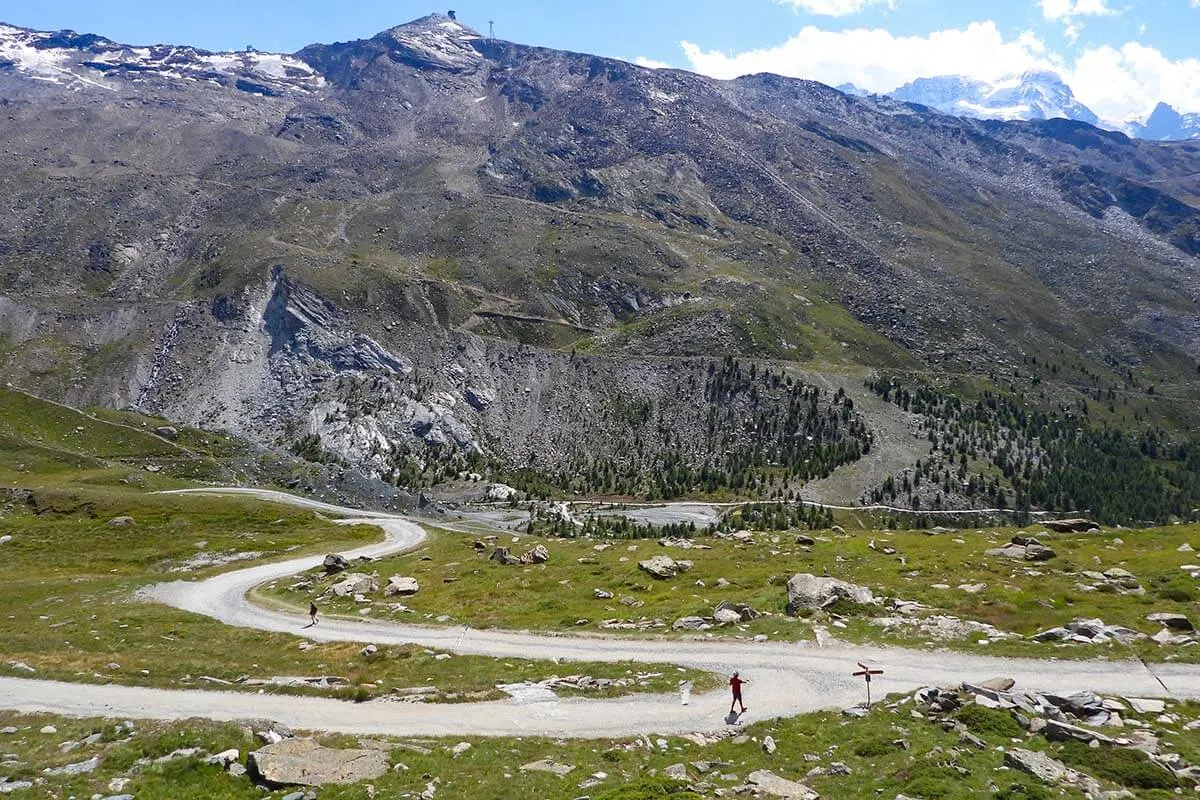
{"x":806,"y":590}
{"x":304,"y":762}
{"x":663,"y":567}
{"x":335,"y":562}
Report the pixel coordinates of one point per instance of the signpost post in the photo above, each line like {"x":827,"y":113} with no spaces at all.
{"x":865,"y":673}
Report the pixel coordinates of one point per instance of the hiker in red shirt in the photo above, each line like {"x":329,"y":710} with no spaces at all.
{"x":735,"y":683}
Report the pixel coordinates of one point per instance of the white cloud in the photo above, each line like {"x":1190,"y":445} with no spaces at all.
{"x":878,"y":61}
{"x":841,"y":8}
{"x":1116,"y":83}
{"x":1119,"y":83}
{"x":650,"y":63}
{"x":1065,"y":9}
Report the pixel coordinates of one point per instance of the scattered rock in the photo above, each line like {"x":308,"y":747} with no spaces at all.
{"x":537,"y":555}
{"x":401,"y":585}
{"x":1039,"y":765}
{"x":1061,"y":731}
{"x":1176,"y":622}
{"x":335,"y":562}
{"x":601,"y":594}
{"x":1089,"y":631}
{"x":806,"y":590}
{"x":353,"y":583}
{"x":6,"y":538}
{"x":691,"y":624}
{"x":21,"y":666}
{"x":501,"y":556}
{"x":225,"y":758}
{"x":167,"y":432}
{"x":768,"y":745}
{"x":1070,"y":525}
{"x":1143,"y":705}
{"x":548,"y":765}
{"x":1025,"y":550}
{"x":368,"y":651}
{"x":663,"y":567}
{"x":303,"y":762}
{"x":676,"y":772}
{"x":804,"y":540}
{"x":459,"y":749}
{"x":78,"y":768}
{"x":772,"y":784}
{"x":727,"y":616}
{"x":121,"y":522}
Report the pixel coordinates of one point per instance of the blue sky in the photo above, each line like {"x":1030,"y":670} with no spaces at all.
{"x":1120,"y":56}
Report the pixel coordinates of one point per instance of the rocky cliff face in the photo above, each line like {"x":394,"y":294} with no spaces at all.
{"x":426,"y":243}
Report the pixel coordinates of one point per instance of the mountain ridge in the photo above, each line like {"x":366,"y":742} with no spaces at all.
{"x":430,"y":253}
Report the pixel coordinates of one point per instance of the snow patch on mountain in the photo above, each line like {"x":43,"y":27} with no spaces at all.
{"x":66,"y":57}
{"x":437,"y":42}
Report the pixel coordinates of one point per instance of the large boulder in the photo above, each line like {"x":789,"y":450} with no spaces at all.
{"x":400,"y":585}
{"x":353,"y":583}
{"x":303,"y":762}
{"x":1028,"y":550}
{"x":663,"y":567}
{"x":806,"y":590}
{"x":335,"y":562}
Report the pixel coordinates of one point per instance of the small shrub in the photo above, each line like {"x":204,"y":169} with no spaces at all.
{"x":848,"y":608}
{"x":928,"y":787}
{"x":990,"y":722}
{"x":1131,"y":768}
{"x":649,"y":789}
{"x":873,"y":747}
{"x":1176,"y":594}
{"x":930,"y":781}
{"x":1019,"y":791}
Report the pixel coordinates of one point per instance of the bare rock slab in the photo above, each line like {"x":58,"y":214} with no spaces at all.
{"x":548,"y":765}
{"x":772,"y":784}
{"x":402,"y":585}
{"x":806,"y":590}
{"x":303,"y":762}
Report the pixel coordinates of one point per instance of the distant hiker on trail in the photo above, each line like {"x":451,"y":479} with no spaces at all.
{"x":312,"y":613}
{"x":735,"y":684}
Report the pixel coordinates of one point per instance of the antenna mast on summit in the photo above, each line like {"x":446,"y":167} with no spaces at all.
{"x":492,"y":30}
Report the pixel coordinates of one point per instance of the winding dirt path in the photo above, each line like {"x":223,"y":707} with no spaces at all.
{"x":785,"y":678}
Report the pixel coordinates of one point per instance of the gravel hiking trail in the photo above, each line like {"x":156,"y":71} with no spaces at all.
{"x":784,"y":679}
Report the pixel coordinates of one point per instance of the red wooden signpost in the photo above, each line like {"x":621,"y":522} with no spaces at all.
{"x":865,"y":673}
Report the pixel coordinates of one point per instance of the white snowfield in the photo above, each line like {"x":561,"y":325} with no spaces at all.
{"x":784,"y":678}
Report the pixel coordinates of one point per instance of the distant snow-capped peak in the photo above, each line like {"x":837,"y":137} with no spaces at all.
{"x":1030,"y":95}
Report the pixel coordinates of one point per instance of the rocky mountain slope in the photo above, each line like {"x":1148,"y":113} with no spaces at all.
{"x":430,"y":252}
